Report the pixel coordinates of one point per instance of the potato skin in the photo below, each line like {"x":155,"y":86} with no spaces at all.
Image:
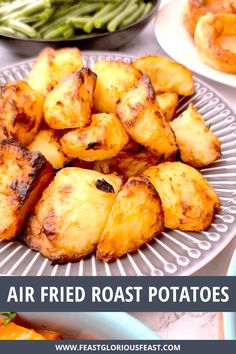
{"x":136,"y":217}
{"x":23,"y":177}
{"x":114,"y":79}
{"x":142,"y":119}
{"x":52,"y":67}
{"x":166,"y":75}
{"x":198,"y":146}
{"x":128,"y":163}
{"x":21,"y":111}
{"x":69,"y":105}
{"x":188,"y":200}
{"x":47,"y":142}
{"x":71,"y":215}
{"x":103,"y":139}
{"x":168,"y":103}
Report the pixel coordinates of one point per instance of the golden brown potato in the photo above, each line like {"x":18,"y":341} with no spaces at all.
{"x":103,"y":139}
{"x":142,"y":119}
{"x":128,"y":163}
{"x":114,"y":79}
{"x":188,"y":200}
{"x":23,"y":177}
{"x":21,"y":111}
{"x":168,"y":103}
{"x":47,"y":142}
{"x":198,"y":146}
{"x":69,"y":105}
{"x":136,"y":217}
{"x":166,"y":75}
{"x":71,"y":215}
{"x":52,"y":67}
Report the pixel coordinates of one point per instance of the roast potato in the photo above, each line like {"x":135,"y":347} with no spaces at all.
{"x":197,"y":144}
{"x":47,"y":142}
{"x":168,"y":103}
{"x":23,"y":177}
{"x":166,"y":75}
{"x":71,"y":215}
{"x":128,"y":163}
{"x":136,"y":217}
{"x":103,"y":139}
{"x":114,"y":79}
{"x":21,"y":111}
{"x":52,"y":67}
{"x":69,"y":105}
{"x":142,"y":119}
{"x":188,"y":200}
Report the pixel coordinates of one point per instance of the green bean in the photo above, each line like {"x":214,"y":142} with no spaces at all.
{"x":56,"y":33}
{"x":60,"y":21}
{"x":51,"y":19}
{"x":137,"y":14}
{"x":103,"y":20}
{"x":104,"y":11}
{"x":112,"y":26}
{"x":7,"y":30}
{"x":9,"y":316}
{"x":79,"y":22}
{"x":24,"y":29}
{"x":148,"y":8}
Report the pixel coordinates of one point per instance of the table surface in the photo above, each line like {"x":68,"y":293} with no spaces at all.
{"x":170,"y":325}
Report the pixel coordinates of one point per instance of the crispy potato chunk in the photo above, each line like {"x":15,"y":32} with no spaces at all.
{"x":103,"y":139}
{"x":198,"y":146}
{"x":136,"y":217}
{"x":70,"y":104}
{"x":13,"y":331}
{"x":71,"y":215}
{"x":21,"y":111}
{"x":127,"y":163}
{"x":47,"y":142}
{"x":166,"y":75}
{"x":52,"y":67}
{"x":114,"y":79}
{"x":168,"y":103}
{"x":142,"y":119}
{"x":23,"y":177}
{"x":188,"y":200}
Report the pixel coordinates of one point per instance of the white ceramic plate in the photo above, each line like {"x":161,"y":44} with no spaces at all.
{"x":178,"y":44}
{"x":174,"y":252}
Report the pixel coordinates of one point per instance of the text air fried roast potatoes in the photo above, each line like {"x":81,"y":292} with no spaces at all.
{"x":102,"y":127}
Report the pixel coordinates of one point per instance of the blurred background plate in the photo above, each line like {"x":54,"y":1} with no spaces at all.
{"x":95,"y":41}
{"x":229,"y":318}
{"x":175,"y":40}
{"x":173,"y":252}
{"x":91,"y":325}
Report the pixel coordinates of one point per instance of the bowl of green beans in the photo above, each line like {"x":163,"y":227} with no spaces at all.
{"x":26,"y":26}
